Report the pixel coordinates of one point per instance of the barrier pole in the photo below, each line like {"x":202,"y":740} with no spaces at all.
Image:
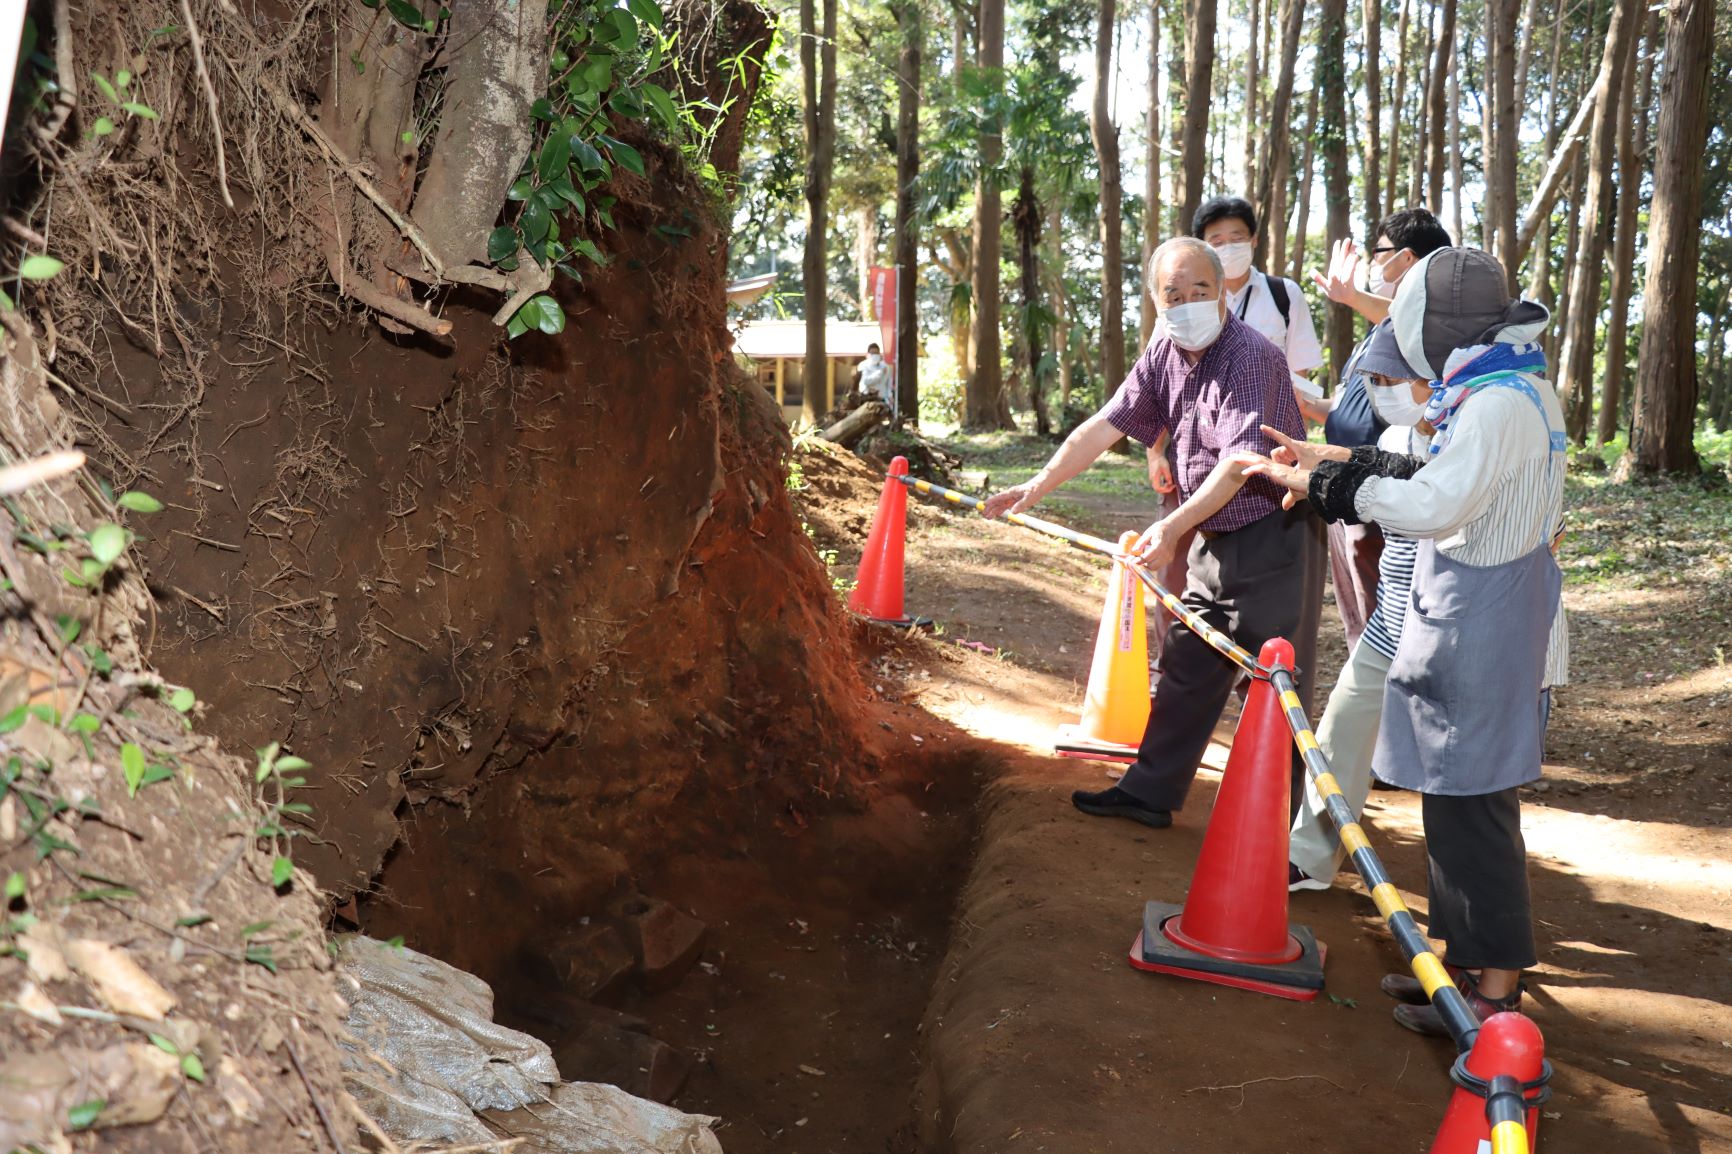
{"x":1463,"y":1026}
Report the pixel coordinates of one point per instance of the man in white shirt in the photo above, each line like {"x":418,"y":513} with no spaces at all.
{"x":874,"y":377}
{"x":1274,"y":307}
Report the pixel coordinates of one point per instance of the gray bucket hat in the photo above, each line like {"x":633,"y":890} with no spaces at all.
{"x":1452,"y":299}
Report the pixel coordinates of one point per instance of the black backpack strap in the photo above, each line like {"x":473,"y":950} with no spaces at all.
{"x":1278,"y":294}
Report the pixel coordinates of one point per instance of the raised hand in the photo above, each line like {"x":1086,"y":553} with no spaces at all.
{"x":1338,"y":282}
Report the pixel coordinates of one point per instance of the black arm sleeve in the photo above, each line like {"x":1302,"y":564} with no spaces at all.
{"x":1333,"y":486}
{"x":1382,"y":464}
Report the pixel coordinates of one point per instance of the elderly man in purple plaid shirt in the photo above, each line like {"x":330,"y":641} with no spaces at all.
{"x":1255,"y":569}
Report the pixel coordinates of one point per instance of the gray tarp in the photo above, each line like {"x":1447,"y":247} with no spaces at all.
{"x":425,"y":1060}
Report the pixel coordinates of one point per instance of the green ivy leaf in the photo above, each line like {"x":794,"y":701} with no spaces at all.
{"x":107,"y":88}
{"x":132,"y":766}
{"x":291,"y":762}
{"x":40,"y":267}
{"x":627,"y":103}
{"x":597,"y":75}
{"x":407,"y":14}
{"x":82,"y":1115}
{"x":542,"y":109}
{"x":520,"y":189}
{"x":501,"y":243}
{"x":107,"y":543}
{"x":192,"y":1066}
{"x":662,"y":104}
{"x":536,"y":220}
{"x":646,"y":10}
{"x":142,"y":111}
{"x":543,"y":312}
{"x":588,"y":248}
{"x":14,"y":886}
{"x":624,"y":154}
{"x":137,"y":502}
{"x":123,"y":78}
{"x":282,"y":869}
{"x":102,"y":127}
{"x":562,"y":188}
{"x":515,"y":327}
{"x":69,"y":628}
{"x":555,"y":155}
{"x":182,"y":700}
{"x":586,"y":156}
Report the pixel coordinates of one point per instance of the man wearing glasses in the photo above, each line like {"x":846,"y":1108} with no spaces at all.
{"x":1402,"y":240}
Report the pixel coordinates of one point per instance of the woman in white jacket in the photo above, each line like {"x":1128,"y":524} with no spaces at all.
{"x":1465,"y":705}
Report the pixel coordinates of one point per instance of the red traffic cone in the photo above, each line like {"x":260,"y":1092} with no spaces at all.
{"x":877,"y":594}
{"x":1508,"y":1044}
{"x":1233,"y":927}
{"x":1116,"y":708}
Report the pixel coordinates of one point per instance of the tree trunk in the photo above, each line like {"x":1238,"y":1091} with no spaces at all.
{"x":865,"y":256}
{"x":1422,"y":114}
{"x":985,"y":406}
{"x":1576,"y":381}
{"x":1371,"y":13}
{"x":1663,"y":425}
{"x":847,"y":431}
{"x":1398,"y":96}
{"x":907,"y":222}
{"x":1060,"y":308}
{"x":1297,"y":256}
{"x":1558,"y":169}
{"x":1337,"y":182}
{"x":1629,"y":193}
{"x":1277,"y":148}
{"x":1252,"y":83}
{"x":1025,"y":217}
{"x":1151,"y":178}
{"x":1439,"y":87}
{"x":1199,"y":83}
{"x":1540,"y":287}
{"x":1106,"y":140}
{"x":1176,"y":65}
{"x":1524,"y":52}
{"x":1572,"y":250}
{"x":1455,"y":146}
{"x":1501,"y":174}
{"x":818,"y":76}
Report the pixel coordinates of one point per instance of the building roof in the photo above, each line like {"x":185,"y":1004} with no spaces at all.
{"x":768,"y":340}
{"x":744,"y":292}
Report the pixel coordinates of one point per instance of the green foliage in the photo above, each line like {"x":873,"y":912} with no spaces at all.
{"x":277,"y":773}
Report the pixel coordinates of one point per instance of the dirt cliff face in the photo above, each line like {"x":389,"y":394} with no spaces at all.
{"x":550,"y":595}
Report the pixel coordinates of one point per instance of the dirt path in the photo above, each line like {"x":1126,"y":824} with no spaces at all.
{"x":1041,"y":1037}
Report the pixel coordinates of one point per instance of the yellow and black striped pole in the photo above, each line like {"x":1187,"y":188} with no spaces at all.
{"x":1224,"y":644}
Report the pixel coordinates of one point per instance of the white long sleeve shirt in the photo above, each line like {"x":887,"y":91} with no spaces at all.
{"x":1493,"y":495}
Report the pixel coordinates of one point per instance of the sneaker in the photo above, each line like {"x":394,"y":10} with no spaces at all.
{"x":1426,"y":1020}
{"x":1298,"y":879}
{"x":1115,"y":802}
{"x":1406,"y":988}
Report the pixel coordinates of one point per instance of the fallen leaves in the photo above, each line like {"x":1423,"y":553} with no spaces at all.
{"x":118,"y":980}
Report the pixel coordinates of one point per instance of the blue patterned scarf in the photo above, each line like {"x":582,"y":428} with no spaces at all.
{"x":1486,"y":365}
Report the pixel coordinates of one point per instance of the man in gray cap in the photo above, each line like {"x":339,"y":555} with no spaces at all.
{"x":1465,"y":707}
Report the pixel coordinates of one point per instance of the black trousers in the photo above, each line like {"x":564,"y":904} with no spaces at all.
{"x":1478,"y":882}
{"x":1264,"y":580}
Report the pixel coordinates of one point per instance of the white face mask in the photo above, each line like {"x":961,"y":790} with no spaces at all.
{"x":1194,"y":326}
{"x":1376,"y":284}
{"x":1236,"y":258}
{"x":874,"y":358}
{"x":1395,"y":404}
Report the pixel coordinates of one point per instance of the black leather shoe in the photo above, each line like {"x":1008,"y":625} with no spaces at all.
{"x":1115,"y":802}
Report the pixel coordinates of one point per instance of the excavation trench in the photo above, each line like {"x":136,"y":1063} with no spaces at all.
{"x":799,"y":1023}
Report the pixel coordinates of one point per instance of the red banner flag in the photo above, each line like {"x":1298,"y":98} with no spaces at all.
{"x":882,"y":284}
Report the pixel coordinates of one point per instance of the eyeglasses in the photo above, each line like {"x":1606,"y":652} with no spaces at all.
{"x":1384,"y":249}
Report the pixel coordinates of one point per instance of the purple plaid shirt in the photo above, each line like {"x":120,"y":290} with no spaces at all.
{"x":1212,"y":410}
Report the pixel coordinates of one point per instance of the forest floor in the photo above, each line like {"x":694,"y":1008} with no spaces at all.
{"x":1039,"y":1036}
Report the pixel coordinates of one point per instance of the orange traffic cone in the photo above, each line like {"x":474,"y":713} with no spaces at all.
{"x":1509,"y":1045}
{"x":1116,"y":709}
{"x":1232,"y":929}
{"x":877,"y":594}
